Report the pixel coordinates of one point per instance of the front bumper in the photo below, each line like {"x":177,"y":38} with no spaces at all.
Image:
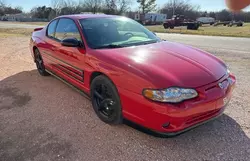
{"x":172,"y":134}
{"x":174,"y":119}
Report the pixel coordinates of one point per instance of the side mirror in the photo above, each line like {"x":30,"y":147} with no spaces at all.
{"x":70,"y":42}
{"x":154,"y":33}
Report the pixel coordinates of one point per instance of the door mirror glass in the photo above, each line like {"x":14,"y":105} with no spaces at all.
{"x":70,"y":42}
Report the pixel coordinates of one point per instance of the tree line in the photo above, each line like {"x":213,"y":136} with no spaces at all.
{"x":123,"y":7}
{"x":64,"y":7}
{"x":5,"y":9}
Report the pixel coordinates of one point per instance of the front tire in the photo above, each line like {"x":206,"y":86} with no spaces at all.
{"x":39,"y":63}
{"x":105,"y":100}
{"x":165,"y":26}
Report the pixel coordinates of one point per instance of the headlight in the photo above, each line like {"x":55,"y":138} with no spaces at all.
{"x":170,"y":95}
{"x":228,"y":71}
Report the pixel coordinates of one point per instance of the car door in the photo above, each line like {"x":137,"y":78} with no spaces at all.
{"x":48,"y":47}
{"x":69,"y":61}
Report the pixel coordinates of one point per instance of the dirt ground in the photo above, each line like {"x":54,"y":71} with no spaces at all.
{"x":43,"y":119}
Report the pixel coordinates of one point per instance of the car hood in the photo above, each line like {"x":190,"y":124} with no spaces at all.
{"x":167,"y":64}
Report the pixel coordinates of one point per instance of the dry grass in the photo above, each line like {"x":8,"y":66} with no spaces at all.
{"x":207,"y":30}
{"x":5,"y":32}
{"x":29,"y":23}
{"x":204,"y":30}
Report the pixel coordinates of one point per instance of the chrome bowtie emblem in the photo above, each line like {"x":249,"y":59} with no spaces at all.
{"x":221,"y":85}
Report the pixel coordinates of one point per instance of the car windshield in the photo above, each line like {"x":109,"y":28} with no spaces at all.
{"x":115,"y":32}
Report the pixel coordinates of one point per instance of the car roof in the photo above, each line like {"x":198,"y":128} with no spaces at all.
{"x":83,"y":16}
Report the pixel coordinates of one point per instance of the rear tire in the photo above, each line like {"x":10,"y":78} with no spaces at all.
{"x":105,"y":100}
{"x":39,"y":63}
{"x":189,"y":26}
{"x":171,"y":27}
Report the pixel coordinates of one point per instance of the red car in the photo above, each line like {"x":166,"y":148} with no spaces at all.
{"x":128,"y":72}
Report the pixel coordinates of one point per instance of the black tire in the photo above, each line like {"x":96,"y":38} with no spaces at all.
{"x":105,"y":100}
{"x":190,"y":26}
{"x":166,"y":26}
{"x":240,"y":25}
{"x":39,"y":63}
{"x":172,"y":27}
{"x":196,"y":26}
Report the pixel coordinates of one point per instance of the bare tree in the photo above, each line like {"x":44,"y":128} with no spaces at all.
{"x":2,"y":3}
{"x":70,"y":3}
{"x":2,"y":6}
{"x":116,"y":6}
{"x":62,"y":7}
{"x":182,"y":7}
{"x":224,"y":15}
{"x":147,"y":5}
{"x":110,"y":6}
{"x":57,"y":5}
{"x":93,"y":6}
{"x":123,"y":6}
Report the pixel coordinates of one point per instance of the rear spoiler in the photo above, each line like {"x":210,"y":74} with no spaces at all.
{"x":38,"y":29}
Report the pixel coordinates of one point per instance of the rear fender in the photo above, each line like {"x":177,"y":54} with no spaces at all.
{"x":32,"y":46}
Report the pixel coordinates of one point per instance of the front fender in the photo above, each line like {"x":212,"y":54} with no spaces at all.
{"x":121,"y":74}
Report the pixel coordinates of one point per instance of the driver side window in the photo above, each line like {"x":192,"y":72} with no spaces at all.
{"x":67,"y":28}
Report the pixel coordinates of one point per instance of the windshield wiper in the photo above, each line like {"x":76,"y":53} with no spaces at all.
{"x":140,"y":43}
{"x":150,"y":42}
{"x":109,"y":46}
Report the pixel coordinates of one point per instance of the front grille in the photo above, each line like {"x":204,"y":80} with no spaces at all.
{"x":215,"y":84}
{"x":209,"y":88}
{"x":203,"y":116}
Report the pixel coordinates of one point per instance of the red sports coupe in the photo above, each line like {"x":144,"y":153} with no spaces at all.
{"x":128,"y":72}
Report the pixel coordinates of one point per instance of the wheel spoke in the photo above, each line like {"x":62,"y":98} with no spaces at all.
{"x":105,"y":103}
{"x":98,"y":95}
{"x":103,"y":88}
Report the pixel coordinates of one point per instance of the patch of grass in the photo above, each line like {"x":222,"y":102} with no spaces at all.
{"x":29,"y":23}
{"x":204,"y":30}
{"x":207,"y":30}
{"x":4,"y":32}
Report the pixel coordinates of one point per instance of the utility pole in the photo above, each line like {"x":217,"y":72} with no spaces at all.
{"x":173,"y":3}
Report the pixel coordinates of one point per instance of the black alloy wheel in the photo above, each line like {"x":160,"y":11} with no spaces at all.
{"x":105,"y":100}
{"x":39,"y":64}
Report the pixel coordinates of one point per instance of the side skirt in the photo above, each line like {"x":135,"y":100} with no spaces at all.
{"x":72,"y":86}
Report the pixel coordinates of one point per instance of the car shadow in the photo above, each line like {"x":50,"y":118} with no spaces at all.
{"x":221,"y":139}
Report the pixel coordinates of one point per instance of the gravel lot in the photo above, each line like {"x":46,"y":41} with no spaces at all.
{"x":44,"y":119}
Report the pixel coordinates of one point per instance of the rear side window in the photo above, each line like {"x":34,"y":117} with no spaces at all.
{"x":51,"y":29}
{"x":67,"y":28}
